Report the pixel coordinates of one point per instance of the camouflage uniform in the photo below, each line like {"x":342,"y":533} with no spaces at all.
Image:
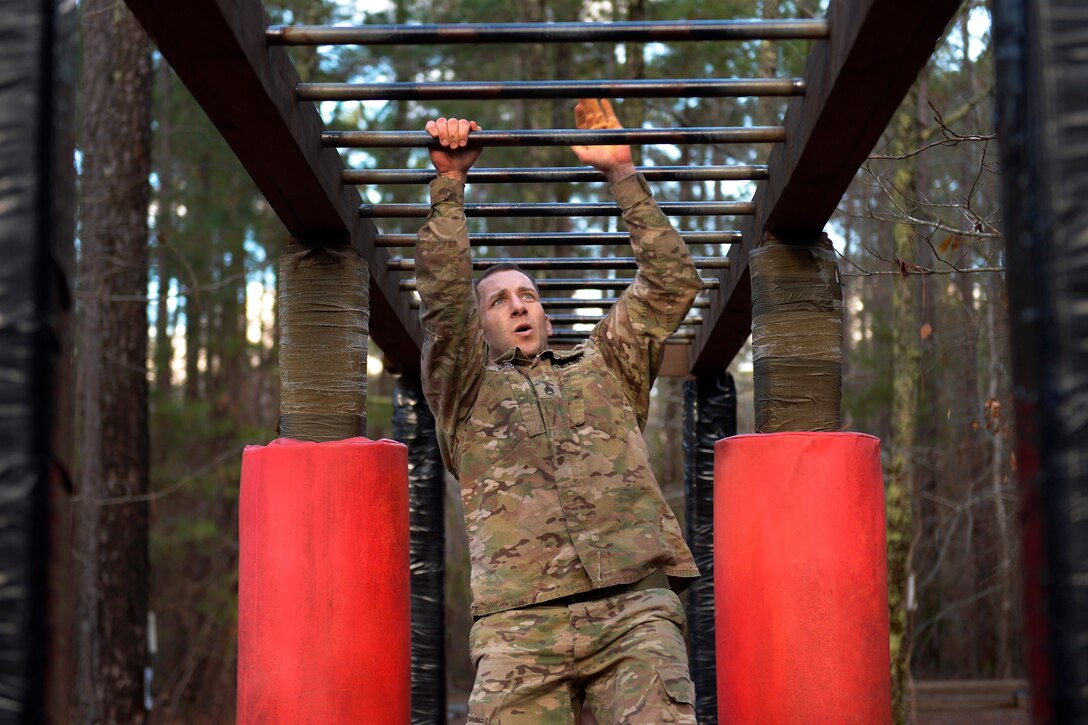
{"x":558,"y":492}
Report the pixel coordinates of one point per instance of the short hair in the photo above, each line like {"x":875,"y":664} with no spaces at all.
{"x":502,"y":267}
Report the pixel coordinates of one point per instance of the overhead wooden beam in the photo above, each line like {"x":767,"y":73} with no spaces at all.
{"x":856,"y":80}
{"x":218,"y":49}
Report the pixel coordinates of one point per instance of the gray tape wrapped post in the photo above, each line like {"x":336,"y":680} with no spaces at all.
{"x":413,"y":425}
{"x":796,"y":336}
{"x":710,"y":414}
{"x":324,"y":303}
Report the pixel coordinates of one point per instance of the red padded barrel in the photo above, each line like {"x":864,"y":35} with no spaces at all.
{"x":323,"y":608}
{"x":800,"y":579}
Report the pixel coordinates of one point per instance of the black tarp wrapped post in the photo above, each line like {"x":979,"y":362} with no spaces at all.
{"x":1042,"y":103}
{"x":36,"y":249}
{"x":710,"y":414}
{"x":413,"y":425}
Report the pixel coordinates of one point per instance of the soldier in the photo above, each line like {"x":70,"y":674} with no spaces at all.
{"x":572,"y":545}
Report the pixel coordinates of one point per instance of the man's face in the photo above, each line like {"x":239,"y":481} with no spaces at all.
{"x":511,"y":313}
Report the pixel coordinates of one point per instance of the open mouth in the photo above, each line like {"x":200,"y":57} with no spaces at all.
{"x":523,"y":328}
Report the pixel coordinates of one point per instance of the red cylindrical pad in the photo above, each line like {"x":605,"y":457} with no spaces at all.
{"x":323,"y":589}
{"x":800,"y":579}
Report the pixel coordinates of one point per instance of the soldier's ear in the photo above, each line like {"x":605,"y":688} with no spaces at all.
{"x":548,"y":324}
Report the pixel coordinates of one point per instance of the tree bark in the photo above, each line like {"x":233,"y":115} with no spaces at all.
{"x":999,"y":482}
{"x":900,"y":486}
{"x":112,"y":543}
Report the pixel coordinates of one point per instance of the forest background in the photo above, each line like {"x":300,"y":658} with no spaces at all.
{"x":927,"y":364}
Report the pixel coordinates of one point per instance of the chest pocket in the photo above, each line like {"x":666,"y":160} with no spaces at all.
{"x":596,"y":398}
{"x":506,"y":412}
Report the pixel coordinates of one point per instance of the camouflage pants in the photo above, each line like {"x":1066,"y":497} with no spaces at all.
{"x":625,"y":654}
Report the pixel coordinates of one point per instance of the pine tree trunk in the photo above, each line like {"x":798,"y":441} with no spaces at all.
{"x":900,"y":486}
{"x":112,"y":538}
{"x":999,"y":475}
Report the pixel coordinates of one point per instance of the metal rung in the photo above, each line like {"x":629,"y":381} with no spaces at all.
{"x":577,"y":319}
{"x":572,"y":303}
{"x":576,"y":339}
{"x":561,"y":137}
{"x":409,"y":265}
{"x":481,"y":90}
{"x":557,"y":174}
{"x":562,"y":334}
{"x":476,"y":33}
{"x":558,"y":209}
{"x":409,"y":285}
{"x":531,"y":239}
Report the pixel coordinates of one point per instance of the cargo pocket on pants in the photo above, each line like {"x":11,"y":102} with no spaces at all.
{"x":677,"y":684}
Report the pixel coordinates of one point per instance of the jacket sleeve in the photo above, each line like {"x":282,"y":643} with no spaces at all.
{"x":632,"y":335}
{"x":454,"y":351}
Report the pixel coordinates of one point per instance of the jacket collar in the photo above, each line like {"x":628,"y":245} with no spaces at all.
{"x":515,"y":356}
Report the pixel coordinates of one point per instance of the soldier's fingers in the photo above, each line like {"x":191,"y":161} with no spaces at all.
{"x":600,"y":118}
{"x":443,"y":132}
{"x":462,"y":131}
{"x":454,"y":132}
{"x":596,"y":115}
{"x":432,"y":128}
{"x":610,"y":115}
{"x":473,"y":126}
{"x":580,"y":114}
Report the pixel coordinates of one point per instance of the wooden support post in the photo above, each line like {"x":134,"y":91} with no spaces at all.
{"x":413,"y":425}
{"x":796,"y":334}
{"x":324,"y":326}
{"x":710,"y":413}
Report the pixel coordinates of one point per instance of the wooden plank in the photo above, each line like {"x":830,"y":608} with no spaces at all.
{"x":856,"y":80}
{"x":961,"y":695}
{"x":218,"y":49}
{"x":926,"y":688}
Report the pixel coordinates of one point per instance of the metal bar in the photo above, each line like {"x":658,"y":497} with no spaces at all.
{"x":409,"y":285}
{"x":531,"y":239}
{"x":557,"y":174}
{"x":574,"y":303}
{"x":484,"y":90}
{"x":581,"y":337}
{"x":557,"y":209}
{"x":564,"y":333}
{"x":561,"y":137}
{"x":477,"y":33}
{"x":398,"y":264}
{"x":593,"y":319}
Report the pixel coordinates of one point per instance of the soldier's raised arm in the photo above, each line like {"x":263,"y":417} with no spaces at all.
{"x":454,"y":351}
{"x":632,"y":336}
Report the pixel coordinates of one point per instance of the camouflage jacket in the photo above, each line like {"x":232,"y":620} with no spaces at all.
{"x":558,"y":492}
